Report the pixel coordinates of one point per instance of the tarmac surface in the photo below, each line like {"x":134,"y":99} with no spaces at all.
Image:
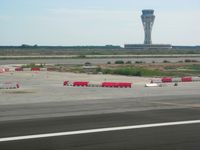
{"x":43,"y":106}
{"x":94,"y":60}
{"x":180,"y":137}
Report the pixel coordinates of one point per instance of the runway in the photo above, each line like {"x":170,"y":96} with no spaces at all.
{"x":182,"y":136}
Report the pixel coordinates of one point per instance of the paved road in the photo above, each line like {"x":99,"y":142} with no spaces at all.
{"x":94,"y":60}
{"x":179,"y":137}
{"x":96,"y":106}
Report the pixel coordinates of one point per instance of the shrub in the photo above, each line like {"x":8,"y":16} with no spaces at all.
{"x":88,"y":64}
{"x":127,"y":71}
{"x":99,"y":69}
{"x":128,"y":62}
{"x":166,"y":61}
{"x":33,"y":65}
{"x":107,"y":71}
{"x":108,"y":62}
{"x":187,"y":60}
{"x":119,"y":62}
{"x":139,"y":62}
{"x":136,"y":71}
{"x":81,"y":56}
{"x":190,"y":60}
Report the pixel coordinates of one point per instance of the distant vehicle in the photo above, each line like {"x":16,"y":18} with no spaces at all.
{"x":151,"y":85}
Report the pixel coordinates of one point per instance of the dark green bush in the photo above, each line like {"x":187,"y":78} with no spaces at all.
{"x":33,"y":65}
{"x":190,"y":60}
{"x":135,"y":71}
{"x":166,"y":61}
{"x":139,"y":62}
{"x":119,"y":62}
{"x":128,"y":62}
{"x":88,"y":64}
{"x":99,"y":69}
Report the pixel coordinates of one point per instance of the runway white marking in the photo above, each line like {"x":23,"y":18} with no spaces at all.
{"x":47,"y":135}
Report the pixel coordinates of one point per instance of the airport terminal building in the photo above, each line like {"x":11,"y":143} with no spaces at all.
{"x":147,"y":46}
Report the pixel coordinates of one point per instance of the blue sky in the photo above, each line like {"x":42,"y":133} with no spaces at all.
{"x":97,"y":22}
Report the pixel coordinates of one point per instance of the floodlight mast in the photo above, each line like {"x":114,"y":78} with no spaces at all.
{"x":148,"y":18}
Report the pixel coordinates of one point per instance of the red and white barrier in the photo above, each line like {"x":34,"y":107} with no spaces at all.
{"x":156,"y":80}
{"x":6,"y":69}
{"x":81,"y":83}
{"x":103,"y":84}
{"x":166,"y":80}
{"x":195,"y":79}
{"x":35,"y":69}
{"x":9,"y":85}
{"x":169,"y":79}
{"x":65,"y":83}
{"x":186,"y":79}
{"x":116,"y":84}
{"x":30,"y":69}
{"x":18,"y":69}
{"x":43,"y":69}
{"x":176,"y":80}
{"x":26,"y":69}
{"x":2,"y":70}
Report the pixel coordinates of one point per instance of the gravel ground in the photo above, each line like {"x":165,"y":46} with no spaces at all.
{"x":39,"y":87}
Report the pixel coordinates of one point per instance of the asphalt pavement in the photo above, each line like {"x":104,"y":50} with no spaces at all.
{"x":95,"y":61}
{"x":179,"y":137}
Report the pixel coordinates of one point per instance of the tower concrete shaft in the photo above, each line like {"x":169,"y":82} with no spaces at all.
{"x":147,"y":21}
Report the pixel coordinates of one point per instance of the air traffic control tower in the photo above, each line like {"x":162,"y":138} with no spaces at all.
{"x":147,"y":21}
{"x":148,"y":18}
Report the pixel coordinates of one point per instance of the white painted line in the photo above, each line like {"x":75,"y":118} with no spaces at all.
{"x":26,"y":137}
